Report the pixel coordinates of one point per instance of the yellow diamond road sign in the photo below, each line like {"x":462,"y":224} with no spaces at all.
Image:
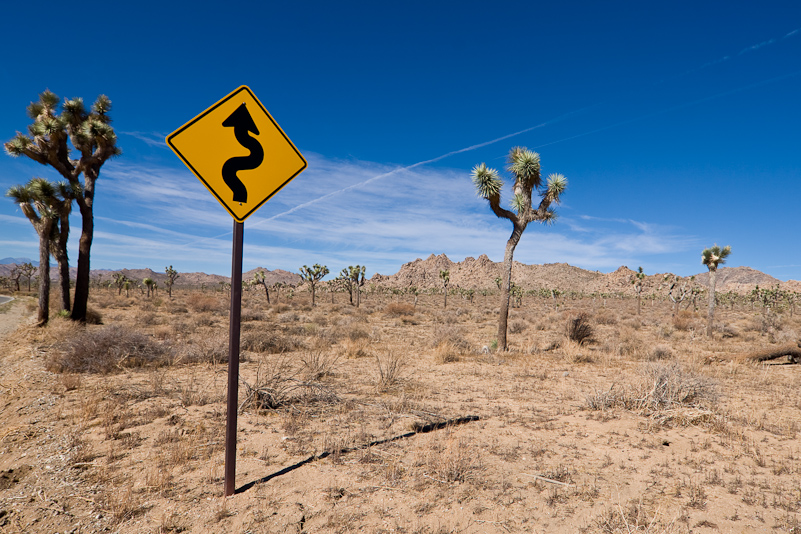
{"x":239,"y":152}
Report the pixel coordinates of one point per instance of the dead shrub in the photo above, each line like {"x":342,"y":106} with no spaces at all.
{"x":683,"y":320}
{"x":449,"y":335}
{"x":318,"y":364}
{"x":267,"y":341}
{"x":390,"y":369}
{"x":516,"y":327}
{"x":198,"y":302}
{"x":397,"y":309}
{"x":660,"y":352}
{"x":606,"y":317}
{"x":107,"y":350}
{"x":667,"y":386}
{"x":278,"y":383}
{"x":579,"y":328}
{"x":213,"y":349}
{"x":446,"y":352}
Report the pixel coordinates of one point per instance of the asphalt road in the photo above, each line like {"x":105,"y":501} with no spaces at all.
{"x":3,"y":300}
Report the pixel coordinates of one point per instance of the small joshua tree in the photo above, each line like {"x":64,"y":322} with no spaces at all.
{"x":258,"y":280}
{"x":637,"y":280}
{"x":712,"y":257}
{"x":312,"y":275}
{"x":38,"y":203}
{"x":119,"y":281}
{"x":445,"y":276}
{"x":28,"y":270}
{"x":172,"y":276}
{"x":524,"y":165}
{"x":356,"y":275}
{"x":149,"y":285}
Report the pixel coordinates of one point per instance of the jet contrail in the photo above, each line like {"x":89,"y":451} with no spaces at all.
{"x":726,"y":58}
{"x":546,"y":123}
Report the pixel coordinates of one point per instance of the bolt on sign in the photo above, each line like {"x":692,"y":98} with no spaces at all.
{"x":239,"y":152}
{"x":243,"y":158}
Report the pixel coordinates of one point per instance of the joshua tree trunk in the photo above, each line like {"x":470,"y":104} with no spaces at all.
{"x":84,"y":248}
{"x":506,"y":283}
{"x":44,"y":273}
{"x":59,"y":251}
{"x":711,"y":310}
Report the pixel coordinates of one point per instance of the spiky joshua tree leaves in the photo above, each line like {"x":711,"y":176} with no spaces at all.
{"x":712,"y":257}
{"x":312,"y":275}
{"x":172,"y":276}
{"x":50,"y":140}
{"x":524,"y":166}
{"x":445,"y":276}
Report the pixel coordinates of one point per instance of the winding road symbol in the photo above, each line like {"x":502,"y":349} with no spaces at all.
{"x":242,"y":123}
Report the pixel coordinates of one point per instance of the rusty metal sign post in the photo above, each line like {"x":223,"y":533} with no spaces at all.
{"x":212,"y":145}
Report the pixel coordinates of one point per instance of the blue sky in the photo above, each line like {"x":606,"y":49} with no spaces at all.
{"x":676,"y":124}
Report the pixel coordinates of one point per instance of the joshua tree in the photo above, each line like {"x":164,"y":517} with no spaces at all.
{"x":258,"y":279}
{"x":712,"y":257}
{"x":119,"y":281}
{"x":127,"y":286}
{"x":353,"y":279}
{"x":312,"y":275}
{"x":47,"y":142}
{"x":38,"y":202}
{"x":445,"y":276}
{"x":524,"y":165}
{"x":28,"y":270}
{"x":172,"y":276}
{"x":149,"y":285}
{"x":637,"y":280}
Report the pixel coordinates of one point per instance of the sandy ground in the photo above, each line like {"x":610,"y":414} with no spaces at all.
{"x":551,"y":437}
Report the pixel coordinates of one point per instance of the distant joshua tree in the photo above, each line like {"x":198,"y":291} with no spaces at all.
{"x":172,"y":276}
{"x":712,"y":257}
{"x":637,"y":280}
{"x":353,"y":279}
{"x":149,"y":285}
{"x":258,"y":280}
{"x":524,"y":165}
{"x":312,"y":275}
{"x":445,"y":276}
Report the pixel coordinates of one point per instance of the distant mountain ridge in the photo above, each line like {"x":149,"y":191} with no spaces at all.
{"x":471,"y":273}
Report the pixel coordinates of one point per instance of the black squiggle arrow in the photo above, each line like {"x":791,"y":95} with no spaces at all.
{"x":242,"y":123}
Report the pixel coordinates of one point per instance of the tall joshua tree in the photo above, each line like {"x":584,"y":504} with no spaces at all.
{"x":712,"y":257}
{"x":50,"y":140}
{"x":38,"y":202}
{"x":312,"y":275}
{"x":172,"y":276}
{"x":524,"y":165}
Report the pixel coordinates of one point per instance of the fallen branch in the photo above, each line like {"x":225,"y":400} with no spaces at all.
{"x":791,"y":350}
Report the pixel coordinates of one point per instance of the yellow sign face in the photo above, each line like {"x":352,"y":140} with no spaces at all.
{"x":239,"y":152}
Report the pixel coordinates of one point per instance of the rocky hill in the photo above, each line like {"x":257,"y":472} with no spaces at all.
{"x":481,"y":273}
{"x":475,"y":273}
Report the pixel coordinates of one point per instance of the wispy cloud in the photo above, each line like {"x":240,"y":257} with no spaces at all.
{"x":424,"y":210}
{"x":155,"y":139}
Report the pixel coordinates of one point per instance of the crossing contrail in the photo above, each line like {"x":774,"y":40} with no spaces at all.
{"x":397,"y":170}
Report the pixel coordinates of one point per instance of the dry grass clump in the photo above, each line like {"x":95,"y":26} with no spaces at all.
{"x":199,"y":302}
{"x":397,"y":309}
{"x":390,"y":368}
{"x":517,"y":327}
{"x":579,"y":328}
{"x":446,"y":352}
{"x":267,"y":341}
{"x":660,"y":352}
{"x":204,"y":349}
{"x":684,"y":320}
{"x":107,"y":350}
{"x":279,"y":383}
{"x":662,"y":387}
{"x":606,"y":317}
